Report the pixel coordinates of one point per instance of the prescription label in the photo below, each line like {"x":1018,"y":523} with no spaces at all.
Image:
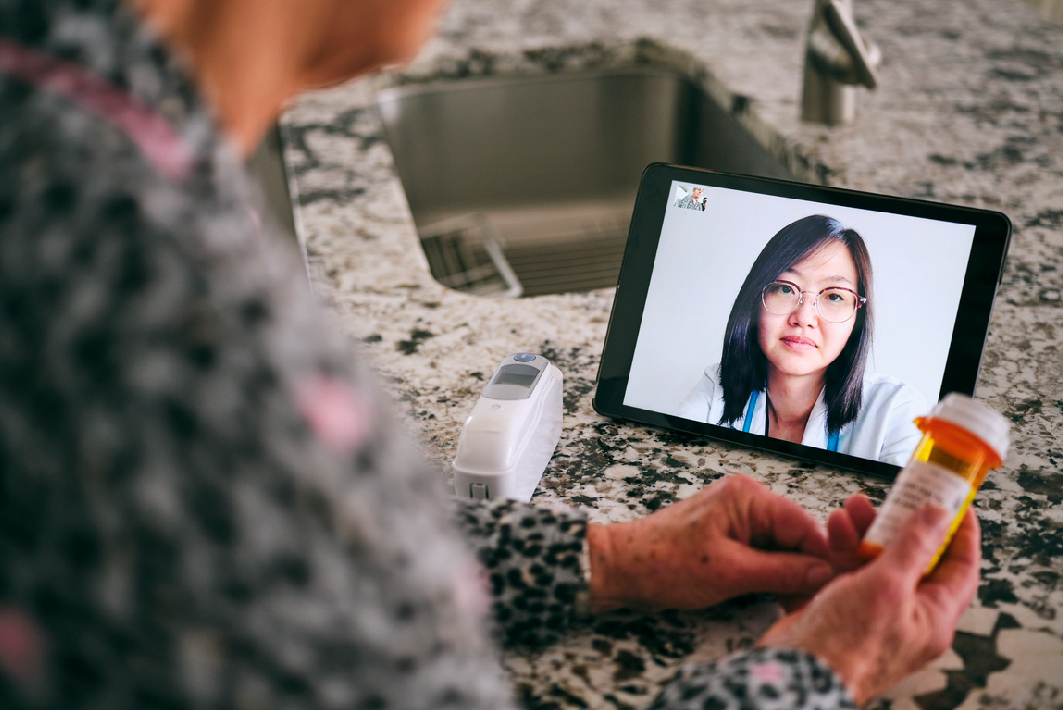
{"x":918,"y":485}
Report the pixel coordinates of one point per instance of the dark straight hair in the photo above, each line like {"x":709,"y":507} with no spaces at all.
{"x":744,"y":368}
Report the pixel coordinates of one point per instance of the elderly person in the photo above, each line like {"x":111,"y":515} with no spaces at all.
{"x":693,"y":201}
{"x":203,"y":501}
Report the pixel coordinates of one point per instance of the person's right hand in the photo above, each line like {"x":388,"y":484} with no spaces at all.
{"x":876,"y":625}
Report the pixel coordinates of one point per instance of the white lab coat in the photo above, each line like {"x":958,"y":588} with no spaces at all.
{"x":883,"y":431}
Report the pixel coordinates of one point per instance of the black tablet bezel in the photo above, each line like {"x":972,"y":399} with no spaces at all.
{"x":985,"y":268}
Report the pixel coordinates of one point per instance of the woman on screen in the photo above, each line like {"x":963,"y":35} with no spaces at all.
{"x":796,"y":349}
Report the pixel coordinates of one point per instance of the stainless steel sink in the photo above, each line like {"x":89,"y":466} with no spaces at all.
{"x":525,"y":185}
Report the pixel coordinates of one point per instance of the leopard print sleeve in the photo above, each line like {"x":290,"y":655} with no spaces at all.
{"x":762,"y":679}
{"x":533,"y":558}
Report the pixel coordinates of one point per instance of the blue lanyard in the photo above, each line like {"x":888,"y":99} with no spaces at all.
{"x":832,"y":441}
{"x":832,"y":438}
{"x":749,"y":410}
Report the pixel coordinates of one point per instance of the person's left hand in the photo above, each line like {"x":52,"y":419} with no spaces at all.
{"x":734,"y":537}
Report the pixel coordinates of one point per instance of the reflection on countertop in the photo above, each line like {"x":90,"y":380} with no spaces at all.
{"x":969,"y":111}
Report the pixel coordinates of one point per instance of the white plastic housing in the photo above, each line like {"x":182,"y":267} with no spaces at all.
{"x":506,"y":443}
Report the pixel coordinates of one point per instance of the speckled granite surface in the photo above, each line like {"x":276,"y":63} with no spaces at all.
{"x":970,"y":110}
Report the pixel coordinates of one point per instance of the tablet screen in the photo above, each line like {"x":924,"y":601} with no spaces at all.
{"x":809,"y":322}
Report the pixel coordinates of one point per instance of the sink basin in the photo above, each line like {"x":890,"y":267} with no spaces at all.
{"x":525,"y":185}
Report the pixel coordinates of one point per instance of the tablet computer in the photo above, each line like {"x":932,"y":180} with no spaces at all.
{"x":811,"y":321}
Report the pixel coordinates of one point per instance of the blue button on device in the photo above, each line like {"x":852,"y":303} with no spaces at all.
{"x":524,"y":357}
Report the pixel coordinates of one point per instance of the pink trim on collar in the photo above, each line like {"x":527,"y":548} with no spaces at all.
{"x":158,"y":140}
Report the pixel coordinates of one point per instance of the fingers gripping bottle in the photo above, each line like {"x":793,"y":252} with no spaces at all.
{"x":963,"y":440}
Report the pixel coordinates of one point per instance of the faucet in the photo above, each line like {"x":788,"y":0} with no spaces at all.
{"x":837,"y":60}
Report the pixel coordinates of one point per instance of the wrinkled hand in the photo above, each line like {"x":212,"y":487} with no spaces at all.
{"x":877,"y":624}
{"x":733,"y":537}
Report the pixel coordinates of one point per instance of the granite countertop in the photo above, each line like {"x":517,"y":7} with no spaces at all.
{"x":970,"y":111}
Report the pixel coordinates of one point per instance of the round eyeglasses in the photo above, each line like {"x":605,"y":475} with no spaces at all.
{"x":836,"y":304}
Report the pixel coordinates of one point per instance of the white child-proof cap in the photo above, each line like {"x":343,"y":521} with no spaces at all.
{"x":976,"y":417}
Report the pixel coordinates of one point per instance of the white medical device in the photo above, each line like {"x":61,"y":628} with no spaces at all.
{"x":512,"y":431}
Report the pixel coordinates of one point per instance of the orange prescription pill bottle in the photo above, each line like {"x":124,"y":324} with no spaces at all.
{"x":963,"y":440}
